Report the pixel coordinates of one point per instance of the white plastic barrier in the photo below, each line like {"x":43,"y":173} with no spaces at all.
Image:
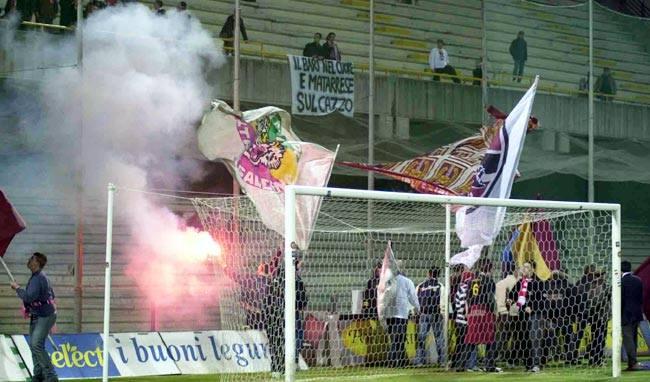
{"x":140,"y":354}
{"x":12,"y":367}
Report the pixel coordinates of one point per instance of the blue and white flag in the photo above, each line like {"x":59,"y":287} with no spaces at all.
{"x":493,"y":179}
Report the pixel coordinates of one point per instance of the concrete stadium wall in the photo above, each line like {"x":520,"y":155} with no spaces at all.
{"x":267,"y":82}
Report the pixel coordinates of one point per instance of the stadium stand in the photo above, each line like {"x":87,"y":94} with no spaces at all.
{"x":557,"y":37}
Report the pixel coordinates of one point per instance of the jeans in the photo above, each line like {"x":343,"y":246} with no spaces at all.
{"x":446,"y":70}
{"x":630,"y":339}
{"x":433,"y":322}
{"x":397,"y":333}
{"x":39,"y":328}
{"x":518,"y":70}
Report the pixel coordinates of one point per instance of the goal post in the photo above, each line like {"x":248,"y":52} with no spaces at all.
{"x":568,"y":216}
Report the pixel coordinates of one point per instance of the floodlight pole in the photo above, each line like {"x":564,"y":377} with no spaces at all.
{"x":590,"y":160}
{"x":371,"y":97}
{"x":80,"y":174}
{"x":107,"y":279}
{"x":235,"y":83}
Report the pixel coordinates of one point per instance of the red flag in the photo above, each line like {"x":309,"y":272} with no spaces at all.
{"x":11,"y":223}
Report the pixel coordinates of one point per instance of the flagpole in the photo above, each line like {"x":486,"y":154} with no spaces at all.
{"x":11,"y":276}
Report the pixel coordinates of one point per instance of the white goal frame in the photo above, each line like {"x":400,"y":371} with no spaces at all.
{"x":291,"y":192}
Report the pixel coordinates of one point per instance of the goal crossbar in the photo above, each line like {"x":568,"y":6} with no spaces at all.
{"x":291,"y":193}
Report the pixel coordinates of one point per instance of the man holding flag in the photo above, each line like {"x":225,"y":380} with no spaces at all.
{"x":37,"y":297}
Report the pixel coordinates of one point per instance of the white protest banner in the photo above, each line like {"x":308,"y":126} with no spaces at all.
{"x":140,"y":354}
{"x":12,"y":367}
{"x":220,"y":351}
{"x":320,"y":87}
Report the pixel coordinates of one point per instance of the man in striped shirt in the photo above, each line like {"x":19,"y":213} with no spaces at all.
{"x":462,"y":350}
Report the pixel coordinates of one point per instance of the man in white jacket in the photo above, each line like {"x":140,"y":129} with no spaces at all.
{"x":397,"y":314}
{"x":439,"y":62}
{"x":507,"y":316}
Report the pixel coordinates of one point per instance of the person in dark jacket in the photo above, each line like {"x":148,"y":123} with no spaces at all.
{"x":558,"y":299}
{"x":481,"y":319}
{"x":477,"y":73}
{"x":428,"y":293}
{"x":632,"y":312}
{"x":314,"y":48}
{"x":47,"y":10}
{"x":68,"y":15}
{"x":519,"y":53}
{"x":330,"y":48}
{"x":38,"y":299}
{"x":369,"y":308}
{"x":605,"y":85}
{"x":228,"y":33}
{"x":593,"y":296}
{"x":158,"y":8}
{"x":275,"y":315}
{"x":527,"y":295}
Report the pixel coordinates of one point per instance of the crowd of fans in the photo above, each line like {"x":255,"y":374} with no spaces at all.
{"x":45,"y":11}
{"x":522,"y":320}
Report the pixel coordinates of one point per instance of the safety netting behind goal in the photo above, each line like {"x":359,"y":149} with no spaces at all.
{"x":538,"y":298}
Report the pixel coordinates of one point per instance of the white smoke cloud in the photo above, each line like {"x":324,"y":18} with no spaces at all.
{"x":136,"y":101}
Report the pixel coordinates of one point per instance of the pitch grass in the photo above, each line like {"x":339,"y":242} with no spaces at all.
{"x":419,"y":375}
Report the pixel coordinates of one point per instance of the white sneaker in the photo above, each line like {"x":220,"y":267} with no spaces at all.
{"x":276,"y":375}
{"x":535,"y":369}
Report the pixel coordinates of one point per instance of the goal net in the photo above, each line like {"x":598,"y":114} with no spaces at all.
{"x":539,"y":297}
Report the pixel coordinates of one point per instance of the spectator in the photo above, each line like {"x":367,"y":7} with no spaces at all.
{"x":158,"y":8}
{"x":428,"y":293}
{"x":27,"y":9}
{"x":374,"y":337}
{"x":47,"y":10}
{"x":274,"y":314}
{"x":369,"y":308}
{"x":68,"y":15}
{"x":397,"y":315}
{"x":331,"y":50}
{"x":558,"y":301}
{"x":481,"y":319}
{"x":10,"y":6}
{"x":314,"y":48}
{"x":477,"y":73}
{"x":228,"y":33}
{"x":527,"y":296}
{"x":439,"y":62}
{"x":461,"y":351}
{"x":182,"y":6}
{"x":632,"y":312}
{"x":38,"y":300}
{"x":593,"y":297}
{"x":507,"y":317}
{"x":605,"y":85}
{"x":519,"y":53}
{"x":253,"y":289}
{"x":583,"y":85}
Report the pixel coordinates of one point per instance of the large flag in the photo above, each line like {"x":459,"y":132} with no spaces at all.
{"x":265,"y":155}
{"x":387,"y":287}
{"x":11,"y":223}
{"x":493,"y":179}
{"x":534,"y":242}
{"x":448,"y":170}
{"x":468,"y":257}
